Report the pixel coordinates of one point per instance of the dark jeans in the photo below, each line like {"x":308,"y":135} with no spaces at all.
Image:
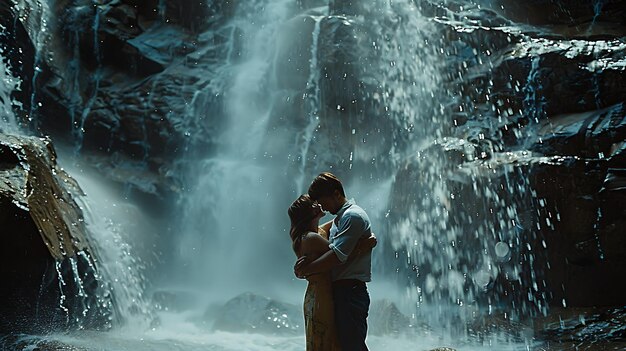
{"x":352,"y":301}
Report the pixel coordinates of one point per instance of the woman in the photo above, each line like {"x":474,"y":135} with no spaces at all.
{"x":312,"y":241}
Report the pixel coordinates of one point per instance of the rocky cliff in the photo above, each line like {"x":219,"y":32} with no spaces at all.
{"x":48,"y":266}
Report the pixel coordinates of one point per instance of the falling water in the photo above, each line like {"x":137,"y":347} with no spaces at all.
{"x":597,"y":227}
{"x":597,"y":10}
{"x":534,"y":101}
{"x":37,"y":19}
{"x":313,"y":97}
{"x":95,"y":77}
{"x":109,"y":221}
{"x":227,"y":222}
{"x":8,"y":84}
{"x":83,"y":85}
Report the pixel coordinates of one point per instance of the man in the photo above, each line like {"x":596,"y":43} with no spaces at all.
{"x":350,"y":295}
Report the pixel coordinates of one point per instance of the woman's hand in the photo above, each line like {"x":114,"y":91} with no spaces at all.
{"x":298,"y":267}
{"x":364,"y":245}
{"x":371,"y":242}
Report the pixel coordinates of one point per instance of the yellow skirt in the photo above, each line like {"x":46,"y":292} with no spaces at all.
{"x":319,"y":316}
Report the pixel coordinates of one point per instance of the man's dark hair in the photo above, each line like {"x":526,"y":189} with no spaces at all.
{"x":325,"y":184}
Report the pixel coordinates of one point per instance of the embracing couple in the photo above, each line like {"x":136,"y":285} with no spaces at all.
{"x":336,"y":259}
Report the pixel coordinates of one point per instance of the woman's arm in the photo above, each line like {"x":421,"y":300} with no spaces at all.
{"x":317,"y":257}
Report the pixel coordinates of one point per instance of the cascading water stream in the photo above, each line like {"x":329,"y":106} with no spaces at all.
{"x":36,"y":15}
{"x":96,"y":78}
{"x":8,"y":84}
{"x":109,"y":219}
{"x":312,"y":96}
{"x":534,"y":100}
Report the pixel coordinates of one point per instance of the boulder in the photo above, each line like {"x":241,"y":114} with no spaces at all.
{"x":253,"y":313}
{"x":385,"y":318}
{"x":46,"y":255}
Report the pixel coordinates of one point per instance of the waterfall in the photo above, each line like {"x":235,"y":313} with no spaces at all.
{"x":402,"y":99}
{"x":228,"y":229}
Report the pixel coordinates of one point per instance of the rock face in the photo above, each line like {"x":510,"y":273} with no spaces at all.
{"x":101,"y":98}
{"x":45,"y":254}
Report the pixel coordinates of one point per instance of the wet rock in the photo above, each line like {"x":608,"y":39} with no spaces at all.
{"x":499,"y":323}
{"x":258,"y":314}
{"x":385,"y":318}
{"x":581,"y":15}
{"x":37,"y":187}
{"x":584,"y":326}
{"x":583,"y":243}
{"x":35,"y":343}
{"x":593,"y":134}
{"x":614,"y":182}
{"x":108,"y":78}
{"x":45,"y":256}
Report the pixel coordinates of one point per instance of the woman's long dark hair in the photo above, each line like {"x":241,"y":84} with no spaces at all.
{"x":300,"y":213}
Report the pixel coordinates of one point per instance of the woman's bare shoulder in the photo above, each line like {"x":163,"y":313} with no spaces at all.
{"x":313,"y":242}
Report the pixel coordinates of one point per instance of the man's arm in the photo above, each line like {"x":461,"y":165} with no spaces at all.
{"x":351,"y":229}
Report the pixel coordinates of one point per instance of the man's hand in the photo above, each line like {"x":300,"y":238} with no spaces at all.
{"x":298,"y":267}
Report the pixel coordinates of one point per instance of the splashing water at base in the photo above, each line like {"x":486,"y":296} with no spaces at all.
{"x":179,"y":334}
